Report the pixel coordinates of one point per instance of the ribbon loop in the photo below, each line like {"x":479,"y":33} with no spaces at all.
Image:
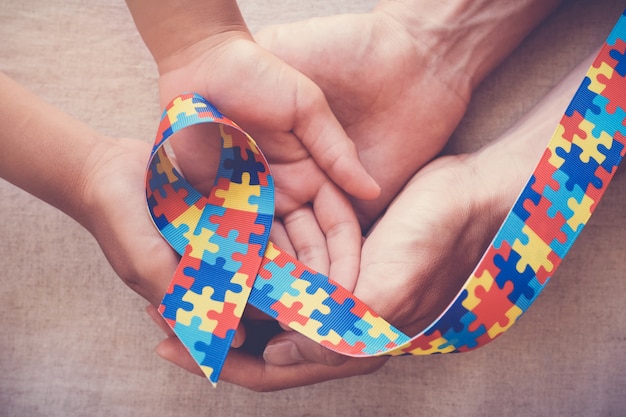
{"x":221,"y":237}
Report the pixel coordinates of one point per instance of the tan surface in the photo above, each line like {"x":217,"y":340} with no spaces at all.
{"x":76,"y":342}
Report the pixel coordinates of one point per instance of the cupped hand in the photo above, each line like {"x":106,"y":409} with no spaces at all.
{"x":391,"y":92}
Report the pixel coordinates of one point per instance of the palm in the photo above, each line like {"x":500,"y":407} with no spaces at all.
{"x":384,"y":88}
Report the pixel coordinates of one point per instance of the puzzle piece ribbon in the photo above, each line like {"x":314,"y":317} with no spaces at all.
{"x":227,"y":260}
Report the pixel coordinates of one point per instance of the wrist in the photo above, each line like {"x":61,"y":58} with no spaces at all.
{"x":432,"y":38}
{"x":507,"y":164}
{"x":177,"y":32}
{"x":89,"y":210}
{"x":504,"y":167}
{"x":470,"y":38}
{"x":204,"y":46}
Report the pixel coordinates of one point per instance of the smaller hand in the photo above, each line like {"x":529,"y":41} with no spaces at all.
{"x":308,"y":151}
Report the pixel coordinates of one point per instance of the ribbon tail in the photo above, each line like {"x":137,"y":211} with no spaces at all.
{"x":205,"y":322}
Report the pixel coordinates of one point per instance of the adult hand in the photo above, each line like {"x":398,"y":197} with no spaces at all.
{"x":387,"y":87}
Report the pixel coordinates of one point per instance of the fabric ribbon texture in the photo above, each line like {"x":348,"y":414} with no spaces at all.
{"x":227,"y":260}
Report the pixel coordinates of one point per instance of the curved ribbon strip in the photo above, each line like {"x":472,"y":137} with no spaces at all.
{"x":227,"y":260}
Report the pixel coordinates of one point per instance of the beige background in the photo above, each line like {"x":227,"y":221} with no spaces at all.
{"x":75,"y":341}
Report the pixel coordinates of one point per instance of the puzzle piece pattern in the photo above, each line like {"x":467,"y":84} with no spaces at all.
{"x":227,"y":260}
{"x":214,"y":235}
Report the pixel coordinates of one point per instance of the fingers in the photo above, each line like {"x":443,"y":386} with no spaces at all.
{"x":254,"y":373}
{"x":307,"y":238}
{"x":328,"y":144}
{"x":327,"y":237}
{"x":340,"y":225}
{"x":291,"y":348}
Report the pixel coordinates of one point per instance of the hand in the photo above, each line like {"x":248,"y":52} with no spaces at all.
{"x":387,"y":87}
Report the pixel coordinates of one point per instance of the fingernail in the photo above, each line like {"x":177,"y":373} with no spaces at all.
{"x":282,"y":353}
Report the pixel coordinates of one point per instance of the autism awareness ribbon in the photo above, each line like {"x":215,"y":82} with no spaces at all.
{"x":227,"y":260}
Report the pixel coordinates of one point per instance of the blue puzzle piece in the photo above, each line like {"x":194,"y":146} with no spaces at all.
{"x":579,"y":173}
{"x":605,"y":121}
{"x":464,"y":337}
{"x":214,"y":352}
{"x":523,"y":302}
{"x":215,"y":276}
{"x":613,"y":156}
{"x":361,"y":336}
{"x":451,"y":320}
{"x":206,"y":348}
{"x":281,"y":283}
{"x":341,"y":319}
{"x":317,"y":281}
{"x":205,"y":222}
{"x":228,"y":246}
{"x":261,"y":239}
{"x":175,"y":236}
{"x":184,"y":120}
{"x":620,"y":68}
{"x":511,"y":230}
{"x":240,"y":165}
{"x":265,"y":201}
{"x":559,"y":198}
{"x":561,"y":249}
{"x":260,"y":296}
{"x":583,"y":100}
{"x":508,"y":272}
{"x":528,"y":193}
{"x":157,"y":179}
{"x":173,"y":301}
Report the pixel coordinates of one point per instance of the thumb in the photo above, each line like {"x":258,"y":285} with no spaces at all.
{"x":290,"y":348}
